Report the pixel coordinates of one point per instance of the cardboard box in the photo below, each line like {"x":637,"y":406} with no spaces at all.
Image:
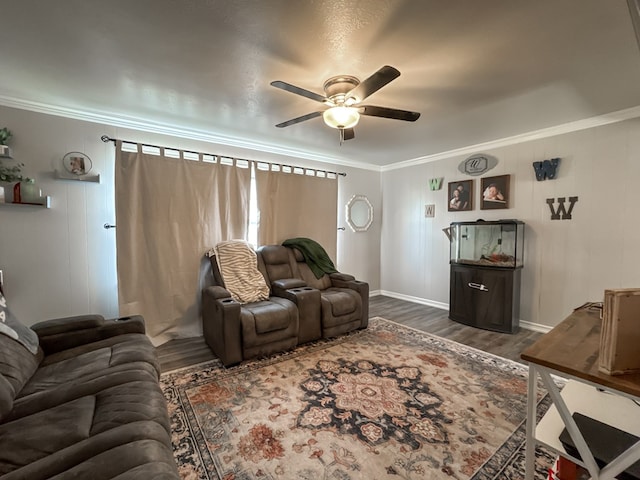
{"x":620,"y":336}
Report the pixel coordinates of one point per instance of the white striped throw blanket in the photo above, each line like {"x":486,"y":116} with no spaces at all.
{"x":238,"y":266}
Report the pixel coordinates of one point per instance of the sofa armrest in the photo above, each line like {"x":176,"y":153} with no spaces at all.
{"x":341,"y":279}
{"x":361,"y":287}
{"x":308,"y":300}
{"x":280,"y":288}
{"x":64,"y":333}
{"x":216,"y":292}
{"x":221,"y":324}
{"x":287,"y":283}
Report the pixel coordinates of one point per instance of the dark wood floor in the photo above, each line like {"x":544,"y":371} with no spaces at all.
{"x":190,"y":351}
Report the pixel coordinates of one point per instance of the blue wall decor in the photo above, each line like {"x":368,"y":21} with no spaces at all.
{"x":547,"y":169}
{"x":561,"y":213}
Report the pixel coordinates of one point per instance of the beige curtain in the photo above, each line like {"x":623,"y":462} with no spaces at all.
{"x":169,"y":212}
{"x":297,"y":205}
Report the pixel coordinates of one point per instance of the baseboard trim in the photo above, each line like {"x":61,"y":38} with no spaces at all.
{"x":421,"y":301}
{"x":535,"y":327}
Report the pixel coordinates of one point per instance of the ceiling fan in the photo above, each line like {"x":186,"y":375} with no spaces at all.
{"x":343,"y":96}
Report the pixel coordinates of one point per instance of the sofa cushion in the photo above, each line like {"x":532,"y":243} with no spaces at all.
{"x":108,"y":455}
{"x":81,"y":425}
{"x":29,"y":404}
{"x":133,"y":351}
{"x":343,"y":301}
{"x":128,"y":403}
{"x":11,"y":327}
{"x":6,"y":397}
{"x":254,"y":341}
{"x":30,"y":438}
{"x":143,"y":459}
{"x":17,"y":365}
{"x":266,"y":316}
{"x":277,"y":261}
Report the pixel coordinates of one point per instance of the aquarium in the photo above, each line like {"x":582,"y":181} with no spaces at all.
{"x":497,"y":243}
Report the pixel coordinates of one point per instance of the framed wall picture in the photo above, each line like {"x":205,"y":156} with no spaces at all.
{"x":495,"y":192}
{"x":460,"y":196}
{"x":77,"y":163}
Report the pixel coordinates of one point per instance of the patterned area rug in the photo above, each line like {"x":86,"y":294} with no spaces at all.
{"x":388,"y":402}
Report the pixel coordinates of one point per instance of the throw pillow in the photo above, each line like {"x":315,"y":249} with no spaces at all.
{"x":11,"y":327}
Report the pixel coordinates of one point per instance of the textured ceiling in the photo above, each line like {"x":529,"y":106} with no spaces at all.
{"x":476,"y":70}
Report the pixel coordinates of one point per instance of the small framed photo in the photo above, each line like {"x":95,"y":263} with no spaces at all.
{"x":77,"y":163}
{"x":460,"y":196}
{"x":495,"y":192}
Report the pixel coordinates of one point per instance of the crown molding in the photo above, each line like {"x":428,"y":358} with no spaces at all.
{"x":124,"y":121}
{"x":634,"y":11}
{"x":598,"y":121}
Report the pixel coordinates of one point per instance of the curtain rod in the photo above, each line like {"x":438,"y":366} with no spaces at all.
{"x":106,"y":139}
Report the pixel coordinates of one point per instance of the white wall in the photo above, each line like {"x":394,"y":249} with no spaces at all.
{"x":359,"y":252}
{"x":567,"y":262}
{"x":61,"y":261}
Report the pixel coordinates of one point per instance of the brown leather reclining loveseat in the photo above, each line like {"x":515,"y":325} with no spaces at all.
{"x":85,"y":404}
{"x":343,"y":301}
{"x":299,"y":308}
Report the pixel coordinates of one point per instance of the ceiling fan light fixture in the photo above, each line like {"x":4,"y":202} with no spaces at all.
{"x":349,"y":101}
{"x":341,"y":117}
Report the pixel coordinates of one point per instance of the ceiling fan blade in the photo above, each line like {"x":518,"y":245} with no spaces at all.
{"x":298,"y":91}
{"x":374,"y":83}
{"x":384,"y":112}
{"x":293,"y":121}
{"x":349,"y":133}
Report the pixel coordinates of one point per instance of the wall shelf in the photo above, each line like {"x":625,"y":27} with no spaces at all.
{"x":59,"y":175}
{"x":43,"y":202}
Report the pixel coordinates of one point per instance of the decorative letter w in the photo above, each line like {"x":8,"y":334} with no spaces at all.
{"x":546,"y":169}
{"x":566,"y":214}
{"x":435,"y":183}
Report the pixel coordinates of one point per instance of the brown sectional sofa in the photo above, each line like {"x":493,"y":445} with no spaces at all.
{"x":86,"y":405}
{"x":301,"y":308}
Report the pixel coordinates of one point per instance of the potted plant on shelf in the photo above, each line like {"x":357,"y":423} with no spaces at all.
{"x":5,"y":135}
{"x":8,"y":173}
{"x":11,"y":174}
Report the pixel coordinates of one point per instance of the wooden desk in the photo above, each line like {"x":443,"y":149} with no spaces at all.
{"x":571,"y":350}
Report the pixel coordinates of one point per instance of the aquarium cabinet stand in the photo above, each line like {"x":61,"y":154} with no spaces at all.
{"x":485,"y":297}
{"x":486,"y":260}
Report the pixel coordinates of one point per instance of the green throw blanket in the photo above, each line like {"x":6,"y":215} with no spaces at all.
{"x":315,"y":256}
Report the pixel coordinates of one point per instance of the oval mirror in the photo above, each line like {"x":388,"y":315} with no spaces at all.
{"x":359,"y":213}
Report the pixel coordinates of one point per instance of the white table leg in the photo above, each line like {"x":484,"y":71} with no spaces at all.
{"x":530,"y":444}
{"x":572,"y":428}
{"x":623,"y":461}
